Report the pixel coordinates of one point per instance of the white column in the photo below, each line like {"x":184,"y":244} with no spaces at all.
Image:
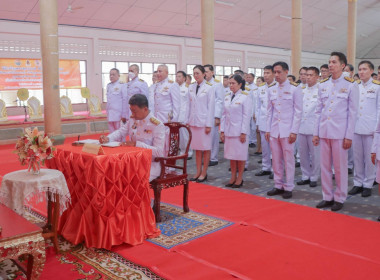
{"x":296,"y":36}
{"x":351,"y":32}
{"x":207,"y":13}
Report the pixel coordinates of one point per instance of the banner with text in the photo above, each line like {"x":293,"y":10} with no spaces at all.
{"x":27,"y":73}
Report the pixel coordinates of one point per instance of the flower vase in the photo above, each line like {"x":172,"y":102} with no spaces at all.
{"x":34,"y":166}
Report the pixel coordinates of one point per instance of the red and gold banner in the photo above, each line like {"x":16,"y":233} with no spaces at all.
{"x":27,"y":73}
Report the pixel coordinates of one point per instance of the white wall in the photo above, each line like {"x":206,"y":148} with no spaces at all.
{"x":21,"y":40}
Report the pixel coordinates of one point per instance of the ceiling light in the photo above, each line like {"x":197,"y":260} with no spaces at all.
{"x":286,"y":17}
{"x":225,"y":3}
{"x":330,"y":27}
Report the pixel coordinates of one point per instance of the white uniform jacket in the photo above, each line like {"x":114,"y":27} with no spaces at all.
{"x":201,"y":105}
{"x":148,"y":133}
{"x":369,"y":107}
{"x":167,"y":101}
{"x":136,"y":86}
{"x":237,"y":114}
{"x":336,"y":109}
{"x":184,"y":96}
{"x":117,"y":101}
{"x":252,"y":90}
{"x":310,"y":100}
{"x":262,"y":105}
{"x":219,"y":96}
{"x":284,"y":109}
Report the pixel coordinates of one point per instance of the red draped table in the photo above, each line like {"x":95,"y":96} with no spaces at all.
{"x":110,"y":202}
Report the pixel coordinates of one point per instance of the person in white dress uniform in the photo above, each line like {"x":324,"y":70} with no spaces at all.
{"x":136,"y":85}
{"x":368,"y":112}
{"x":251,"y":88}
{"x":261,"y":120}
{"x":226,"y":84}
{"x":117,"y":101}
{"x":375,"y":150}
{"x":234,"y":129}
{"x":309,"y":154}
{"x":283,"y":122}
{"x":219,"y":97}
{"x":151,"y":91}
{"x":201,"y":118}
{"x":144,"y":131}
{"x":183,"y":112}
{"x":335,"y":117}
{"x":167,"y":102}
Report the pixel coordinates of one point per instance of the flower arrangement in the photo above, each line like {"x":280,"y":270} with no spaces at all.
{"x":33,"y":148}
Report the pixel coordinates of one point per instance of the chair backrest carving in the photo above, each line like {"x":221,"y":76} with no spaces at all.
{"x":95,"y":105}
{"x":3,"y":111}
{"x":174,"y":138}
{"x":34,"y":108}
{"x":66,"y":106}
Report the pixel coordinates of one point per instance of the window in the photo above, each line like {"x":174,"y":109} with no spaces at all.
{"x":146,"y":72}
{"x":219,"y":71}
{"x":257,"y":71}
{"x":10,"y":96}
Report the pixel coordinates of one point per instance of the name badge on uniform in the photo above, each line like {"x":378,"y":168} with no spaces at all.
{"x":371,"y":91}
{"x":237,"y":103}
{"x":148,"y":131}
{"x":286,"y":92}
{"x":274,"y":91}
{"x":165,"y":89}
{"x":116,"y":89}
{"x":323,"y":90}
{"x":343,"y":90}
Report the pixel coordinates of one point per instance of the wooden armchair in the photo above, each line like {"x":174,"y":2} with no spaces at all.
{"x":169,"y":177}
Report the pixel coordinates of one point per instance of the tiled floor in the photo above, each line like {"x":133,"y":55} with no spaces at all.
{"x":366,"y":208}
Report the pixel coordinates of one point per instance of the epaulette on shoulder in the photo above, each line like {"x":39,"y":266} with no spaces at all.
{"x":121,"y":82}
{"x":193,"y":82}
{"x":244,"y":92}
{"x":227,"y":94}
{"x":359,"y":81}
{"x":271,"y":85}
{"x":141,"y":80}
{"x":303,"y":87}
{"x":216,"y":80}
{"x":294,"y":84}
{"x":209,"y":83}
{"x":154,"y":121}
{"x":376,"y":82}
{"x":247,"y":88}
{"x":349,"y":79}
{"x":262,"y":84}
{"x":186,"y":85}
{"x":324,"y":80}
{"x":170,"y":81}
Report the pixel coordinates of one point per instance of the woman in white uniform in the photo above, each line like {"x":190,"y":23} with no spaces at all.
{"x":235,"y":126}
{"x":201,"y":118}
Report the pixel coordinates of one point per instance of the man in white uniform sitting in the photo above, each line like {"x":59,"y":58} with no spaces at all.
{"x":144,"y":131}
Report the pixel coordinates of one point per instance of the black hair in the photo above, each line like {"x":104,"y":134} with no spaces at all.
{"x":350,"y":67}
{"x":115,"y":69}
{"x":183,"y":73}
{"x":357,"y":75}
{"x":239,"y":79}
{"x":226,"y":77}
{"x":209,"y":66}
{"x":369,"y":63}
{"x":189,"y":76}
{"x":293,"y":77}
{"x":139,"y":100}
{"x":325,"y":66}
{"x":341,"y":56}
{"x":315,"y":69}
{"x":200,"y":67}
{"x":283,"y":65}
{"x":268,"y":67}
{"x":302,"y":68}
{"x":261,"y":78}
{"x":239,"y":71}
{"x":253,"y":75}
{"x":373,"y":74}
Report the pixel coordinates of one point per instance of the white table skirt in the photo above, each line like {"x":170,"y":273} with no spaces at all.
{"x":21,"y":186}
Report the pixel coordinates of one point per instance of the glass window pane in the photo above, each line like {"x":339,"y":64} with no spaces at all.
{"x":251,"y":70}
{"x":147,"y":68}
{"x":155,"y":66}
{"x":218,"y":70}
{"x":258,"y":72}
{"x":227,"y":71}
{"x":107,"y":66}
{"x":82,"y":66}
{"x":171,"y":68}
{"x":83,"y":80}
{"x":122,"y":66}
{"x":171,"y":77}
{"x":105,"y":80}
{"x":190,"y":69}
{"x":147,"y":78}
{"x":235,"y":68}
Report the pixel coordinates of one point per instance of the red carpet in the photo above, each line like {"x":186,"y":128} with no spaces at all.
{"x":270,"y":239}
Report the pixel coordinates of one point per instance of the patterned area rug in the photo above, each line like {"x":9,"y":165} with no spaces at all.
{"x":178,"y":227}
{"x":89,"y":263}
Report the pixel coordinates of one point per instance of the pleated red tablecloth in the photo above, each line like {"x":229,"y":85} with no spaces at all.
{"x":109,"y":195}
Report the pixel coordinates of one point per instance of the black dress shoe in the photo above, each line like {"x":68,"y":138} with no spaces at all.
{"x":202,"y":180}
{"x":245,"y":169}
{"x":355,"y":190}
{"x":324,"y":204}
{"x":238,"y":186}
{"x":287,"y":194}
{"x":303,"y":182}
{"x":252,"y":145}
{"x":375,"y":183}
{"x":298,"y":164}
{"x":263,"y":173}
{"x":260,"y":161}
{"x":333,"y":176}
{"x":271,"y":176}
{"x":213,"y":163}
{"x":258,"y":153}
{"x":378,"y":218}
{"x":193,"y":179}
{"x":366,"y":192}
{"x":275,"y":191}
{"x":337,"y":206}
{"x":189,"y":158}
{"x":229,"y":185}
{"x":350,"y":170}
{"x":313,"y":184}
